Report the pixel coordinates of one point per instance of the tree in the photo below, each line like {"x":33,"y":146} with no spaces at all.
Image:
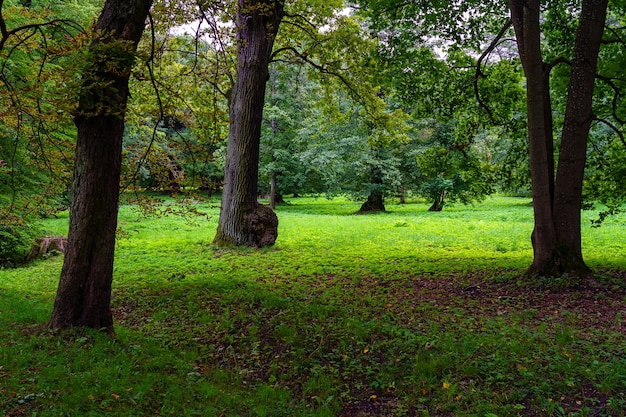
{"x":243,"y":221}
{"x":557,"y":201}
{"x":451,"y":171}
{"x":84,"y":292}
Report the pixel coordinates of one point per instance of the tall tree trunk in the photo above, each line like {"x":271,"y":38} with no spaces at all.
{"x":557,"y":231}
{"x":275,"y":196}
{"x":575,"y":135}
{"x":243,"y":221}
{"x":84,"y":292}
{"x":525,"y":17}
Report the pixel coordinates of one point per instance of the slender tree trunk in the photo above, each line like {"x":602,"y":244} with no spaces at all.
{"x":84,"y":292}
{"x":525,"y":17}
{"x":402,"y":194}
{"x":557,"y":231}
{"x":243,"y":221}
{"x":273,"y":191}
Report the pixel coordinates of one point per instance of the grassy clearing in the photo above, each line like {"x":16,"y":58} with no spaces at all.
{"x":406,"y":313}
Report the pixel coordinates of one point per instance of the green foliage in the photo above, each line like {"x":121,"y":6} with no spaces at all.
{"x":40,"y":63}
{"x":451,"y":171}
{"x":404,"y":314}
{"x":16,"y":237}
{"x":605,"y":179}
{"x":184,"y":92}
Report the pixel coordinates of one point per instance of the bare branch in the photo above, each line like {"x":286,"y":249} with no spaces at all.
{"x":149,"y":63}
{"x":618,"y":38}
{"x":324,"y":70}
{"x":479,"y":73}
{"x":616,"y":95}
{"x":613,"y":127}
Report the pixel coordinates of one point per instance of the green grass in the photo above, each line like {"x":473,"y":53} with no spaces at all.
{"x":347,"y":315}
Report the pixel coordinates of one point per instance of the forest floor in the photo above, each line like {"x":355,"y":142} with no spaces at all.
{"x":398,"y":314}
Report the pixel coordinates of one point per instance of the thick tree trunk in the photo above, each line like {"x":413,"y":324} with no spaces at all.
{"x":243,"y":221}
{"x":573,"y":149}
{"x":439,"y":202}
{"x":84,"y":292}
{"x":557,"y":231}
{"x":375,"y":203}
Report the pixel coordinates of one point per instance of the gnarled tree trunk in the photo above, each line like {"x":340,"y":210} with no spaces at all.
{"x":439,"y":201}
{"x":243,"y":221}
{"x":557,"y":233}
{"x":84,"y":292}
{"x":374,"y":204}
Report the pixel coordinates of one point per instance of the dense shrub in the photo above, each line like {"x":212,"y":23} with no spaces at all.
{"x":16,"y":237}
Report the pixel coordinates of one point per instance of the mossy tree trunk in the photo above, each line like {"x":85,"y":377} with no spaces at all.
{"x":556,"y":236}
{"x":243,"y":221}
{"x":84,"y":292}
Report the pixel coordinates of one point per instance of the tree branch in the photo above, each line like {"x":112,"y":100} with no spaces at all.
{"x":616,"y":96}
{"x":479,"y":74}
{"x":618,"y":37}
{"x":613,"y":127}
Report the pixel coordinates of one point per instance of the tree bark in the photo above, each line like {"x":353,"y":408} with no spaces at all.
{"x":557,"y":232}
{"x":525,"y":17}
{"x":575,"y":135}
{"x":243,"y":221}
{"x":84,"y":292}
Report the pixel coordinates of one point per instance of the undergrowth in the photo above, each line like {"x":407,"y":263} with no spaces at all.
{"x":405,"y":313}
